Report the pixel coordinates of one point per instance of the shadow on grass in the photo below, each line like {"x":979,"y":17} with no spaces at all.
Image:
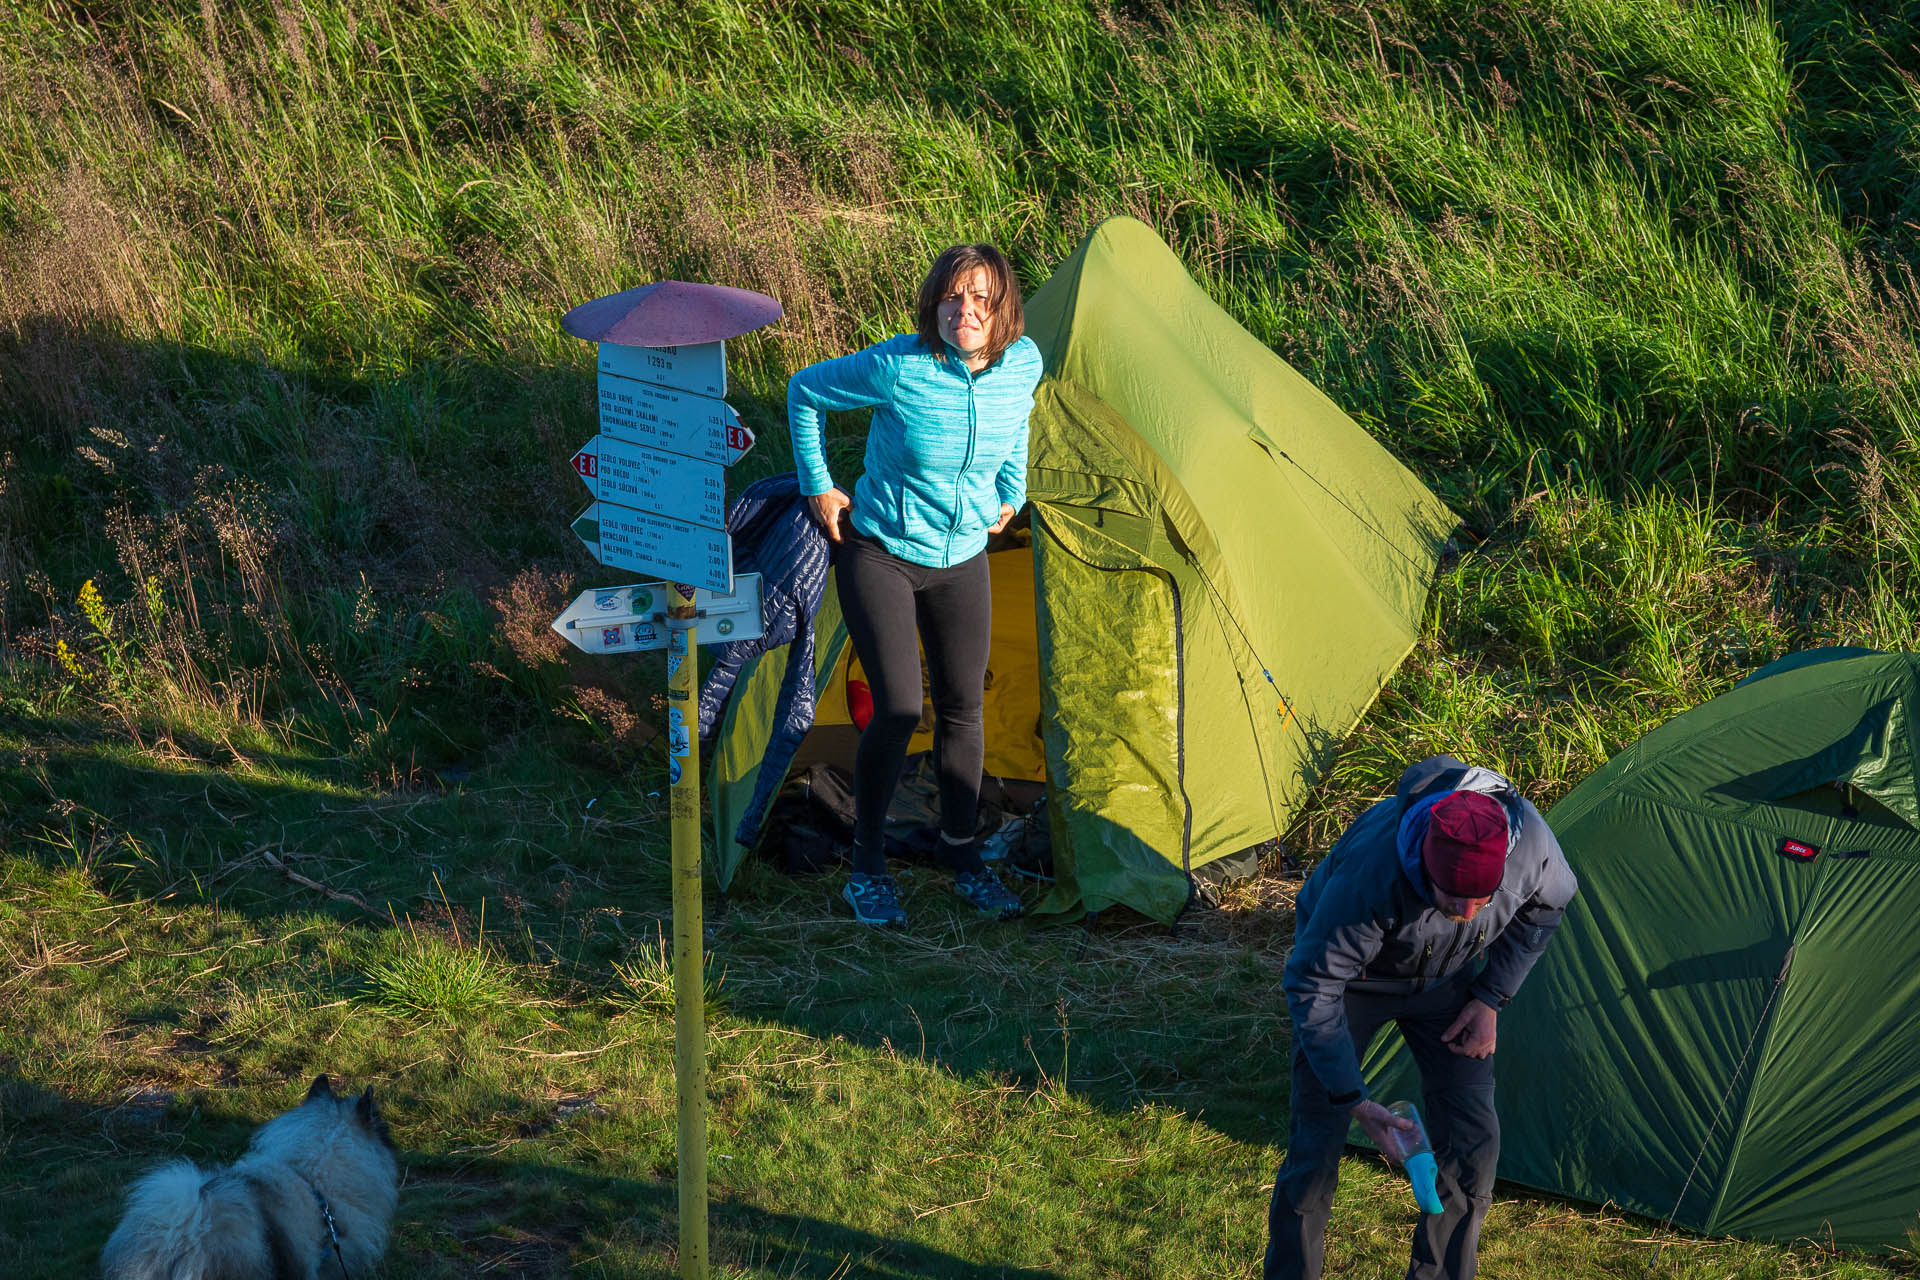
{"x":298,"y":834}
{"x":456,"y":1216}
{"x":519,"y":1218}
{"x":1121,"y":1013}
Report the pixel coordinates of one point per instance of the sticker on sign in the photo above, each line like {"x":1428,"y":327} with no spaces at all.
{"x":649,"y":543}
{"x":634,"y":617}
{"x":669,"y":484}
{"x":677,"y":421}
{"x":701,"y":368}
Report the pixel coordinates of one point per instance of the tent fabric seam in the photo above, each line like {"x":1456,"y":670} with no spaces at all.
{"x":1708,"y":732}
{"x":1059,"y":497}
{"x":1771,"y":1016}
{"x":1180,"y":736}
{"x":1738,"y":817}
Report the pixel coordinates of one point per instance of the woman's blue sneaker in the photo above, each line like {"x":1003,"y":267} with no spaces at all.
{"x":875,"y":900}
{"x":987,"y":894}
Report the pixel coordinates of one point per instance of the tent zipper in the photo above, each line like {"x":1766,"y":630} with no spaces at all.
{"x":1180,"y":701}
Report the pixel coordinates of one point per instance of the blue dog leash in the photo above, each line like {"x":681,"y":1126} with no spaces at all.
{"x":332,"y":1235}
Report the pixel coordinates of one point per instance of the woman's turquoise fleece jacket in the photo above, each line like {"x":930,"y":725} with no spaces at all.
{"x":945,"y":449}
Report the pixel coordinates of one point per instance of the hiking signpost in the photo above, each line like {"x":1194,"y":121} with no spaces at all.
{"x":634,"y":618}
{"x":656,"y":473}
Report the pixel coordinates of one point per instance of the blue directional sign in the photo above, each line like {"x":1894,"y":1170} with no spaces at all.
{"x":657,"y":544}
{"x":701,"y":369}
{"x":670,"y":484}
{"x":677,"y":421}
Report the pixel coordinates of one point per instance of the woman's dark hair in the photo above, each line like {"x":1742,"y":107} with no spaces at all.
{"x":1003,"y":297}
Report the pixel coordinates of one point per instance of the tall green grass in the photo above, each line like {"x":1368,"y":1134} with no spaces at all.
{"x":285,"y":416}
{"x":300,"y":264}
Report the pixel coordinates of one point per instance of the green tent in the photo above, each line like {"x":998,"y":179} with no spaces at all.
{"x":1223,"y":570}
{"x":1727,"y":1027}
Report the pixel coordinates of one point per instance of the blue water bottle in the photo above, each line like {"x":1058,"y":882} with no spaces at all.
{"x":1413,"y":1151}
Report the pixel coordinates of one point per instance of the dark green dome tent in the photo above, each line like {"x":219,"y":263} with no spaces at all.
{"x":1727,"y":1027}
{"x":1201,"y":516}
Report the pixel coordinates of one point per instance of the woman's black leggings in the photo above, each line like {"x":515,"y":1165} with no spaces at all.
{"x":886,"y":601}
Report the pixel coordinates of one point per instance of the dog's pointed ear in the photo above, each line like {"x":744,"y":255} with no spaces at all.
{"x":366,"y":1108}
{"x":320,"y":1088}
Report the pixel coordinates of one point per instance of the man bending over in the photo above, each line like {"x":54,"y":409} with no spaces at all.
{"x":1428,"y":913}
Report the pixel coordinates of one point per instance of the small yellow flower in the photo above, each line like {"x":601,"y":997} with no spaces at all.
{"x":95,"y":609}
{"x":67,"y":660}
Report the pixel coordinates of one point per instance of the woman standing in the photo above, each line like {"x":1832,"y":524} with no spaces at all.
{"x":946,"y":466}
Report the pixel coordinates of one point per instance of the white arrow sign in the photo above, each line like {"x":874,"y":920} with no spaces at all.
{"x":701,"y":368}
{"x":648,"y":543}
{"x":669,"y":484}
{"x":625,"y":619}
{"x":677,"y":421}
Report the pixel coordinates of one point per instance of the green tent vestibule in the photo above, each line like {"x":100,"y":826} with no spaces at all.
{"x":1223,"y":570}
{"x":1726,"y":1028}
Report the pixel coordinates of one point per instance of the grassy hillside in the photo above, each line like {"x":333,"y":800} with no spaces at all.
{"x":293,"y":778}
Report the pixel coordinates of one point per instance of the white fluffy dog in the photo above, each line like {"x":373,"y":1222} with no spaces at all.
{"x":311,"y":1198}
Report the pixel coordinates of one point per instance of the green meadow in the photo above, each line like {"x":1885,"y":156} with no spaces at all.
{"x":294,"y":779}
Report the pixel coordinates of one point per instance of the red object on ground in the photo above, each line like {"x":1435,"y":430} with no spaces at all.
{"x":671,"y":313}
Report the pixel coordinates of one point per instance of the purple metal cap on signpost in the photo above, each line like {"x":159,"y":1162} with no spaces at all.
{"x":671,"y":313}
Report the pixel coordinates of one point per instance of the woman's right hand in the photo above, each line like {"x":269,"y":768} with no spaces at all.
{"x":828,"y":508}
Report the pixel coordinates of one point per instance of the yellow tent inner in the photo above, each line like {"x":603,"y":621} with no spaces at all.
{"x":1012,"y":708}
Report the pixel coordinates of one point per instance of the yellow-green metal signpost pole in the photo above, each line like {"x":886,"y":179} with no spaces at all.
{"x":654,"y":471}
{"x":689,"y":977}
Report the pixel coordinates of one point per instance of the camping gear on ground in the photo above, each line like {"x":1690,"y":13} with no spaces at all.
{"x":810,"y":824}
{"x":1726,"y":1030}
{"x":1217,"y":571}
{"x":1032,"y":857}
{"x":1005,"y":838}
{"x":1413,"y":1152}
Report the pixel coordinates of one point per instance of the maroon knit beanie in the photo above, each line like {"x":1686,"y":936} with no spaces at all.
{"x":1465,"y":851}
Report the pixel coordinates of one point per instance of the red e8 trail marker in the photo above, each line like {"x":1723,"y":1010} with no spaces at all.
{"x":657,"y":477}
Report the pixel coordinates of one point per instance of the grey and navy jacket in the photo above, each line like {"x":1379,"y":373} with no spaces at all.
{"x":1365,"y":919}
{"x":946,"y":446}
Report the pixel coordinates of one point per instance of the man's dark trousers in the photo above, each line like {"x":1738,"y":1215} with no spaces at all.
{"x":1457,"y":1105}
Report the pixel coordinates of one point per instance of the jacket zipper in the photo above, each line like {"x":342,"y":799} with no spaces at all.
{"x":1474,"y":946}
{"x":960,"y":481}
{"x":1473,"y":949}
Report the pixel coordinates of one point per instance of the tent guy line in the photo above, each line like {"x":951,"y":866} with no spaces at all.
{"x":1733,"y":1082}
{"x":1417,"y":566}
